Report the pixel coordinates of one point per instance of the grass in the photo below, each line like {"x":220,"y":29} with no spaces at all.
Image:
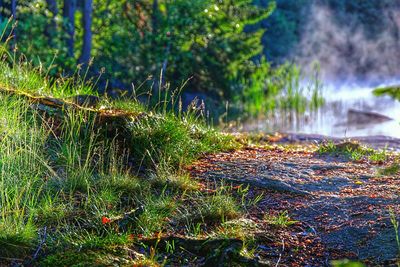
{"x":353,"y":151}
{"x":206,"y":208}
{"x":87,"y":190}
{"x":176,"y":141}
{"x":392,"y":169}
{"x":396,"y":226}
{"x":281,"y":219}
{"x":346,"y":263}
{"x":284,"y":89}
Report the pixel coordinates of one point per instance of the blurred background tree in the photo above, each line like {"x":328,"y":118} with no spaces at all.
{"x":134,"y":40}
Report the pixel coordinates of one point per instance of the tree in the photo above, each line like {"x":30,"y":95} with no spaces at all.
{"x":283,"y":28}
{"x":69,"y":24}
{"x":220,"y":49}
{"x":14,"y":9}
{"x":87,"y":32}
{"x":154,"y":16}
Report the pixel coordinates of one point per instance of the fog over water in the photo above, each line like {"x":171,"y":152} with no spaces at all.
{"x":345,"y":52}
{"x":351,"y":66}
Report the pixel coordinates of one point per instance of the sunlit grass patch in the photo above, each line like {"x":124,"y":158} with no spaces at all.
{"x":20,"y":75}
{"x":124,"y":184}
{"x":51,"y":210}
{"x":346,"y":263}
{"x":218,"y":207}
{"x":156,"y":213}
{"x":23,"y":167}
{"x":281,"y":219}
{"x":396,"y":226}
{"x":353,"y":151}
{"x":71,"y":180}
{"x":18,"y":235}
{"x":177,"y":141}
{"x":392,"y":169}
{"x":90,"y":249}
{"x":243,"y":229}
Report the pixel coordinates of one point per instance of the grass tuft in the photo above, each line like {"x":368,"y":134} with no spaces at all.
{"x":281,"y":219}
{"x":354,"y":151}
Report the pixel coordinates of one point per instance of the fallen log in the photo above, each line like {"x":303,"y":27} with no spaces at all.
{"x":112,"y":119}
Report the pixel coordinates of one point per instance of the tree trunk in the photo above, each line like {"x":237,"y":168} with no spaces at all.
{"x":87,"y":32}
{"x":154,"y":17}
{"x":1,"y":11}
{"x":69,"y":26}
{"x":13,"y":9}
{"x":51,"y":28}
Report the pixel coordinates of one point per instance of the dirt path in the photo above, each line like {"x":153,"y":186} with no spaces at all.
{"x":342,"y":206}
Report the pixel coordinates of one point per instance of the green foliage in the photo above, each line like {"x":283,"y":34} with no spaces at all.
{"x":392,"y":91}
{"x":346,"y":263}
{"x":206,"y":40}
{"x":227,"y":69}
{"x":283,"y":28}
{"x":281,"y":88}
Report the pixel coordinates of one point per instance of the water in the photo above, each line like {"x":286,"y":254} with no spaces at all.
{"x":333,"y":118}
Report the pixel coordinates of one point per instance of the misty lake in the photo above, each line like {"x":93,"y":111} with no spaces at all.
{"x":349,"y":111}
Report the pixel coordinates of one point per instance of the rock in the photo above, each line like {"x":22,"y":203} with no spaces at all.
{"x":276,"y":185}
{"x":365,"y":117}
